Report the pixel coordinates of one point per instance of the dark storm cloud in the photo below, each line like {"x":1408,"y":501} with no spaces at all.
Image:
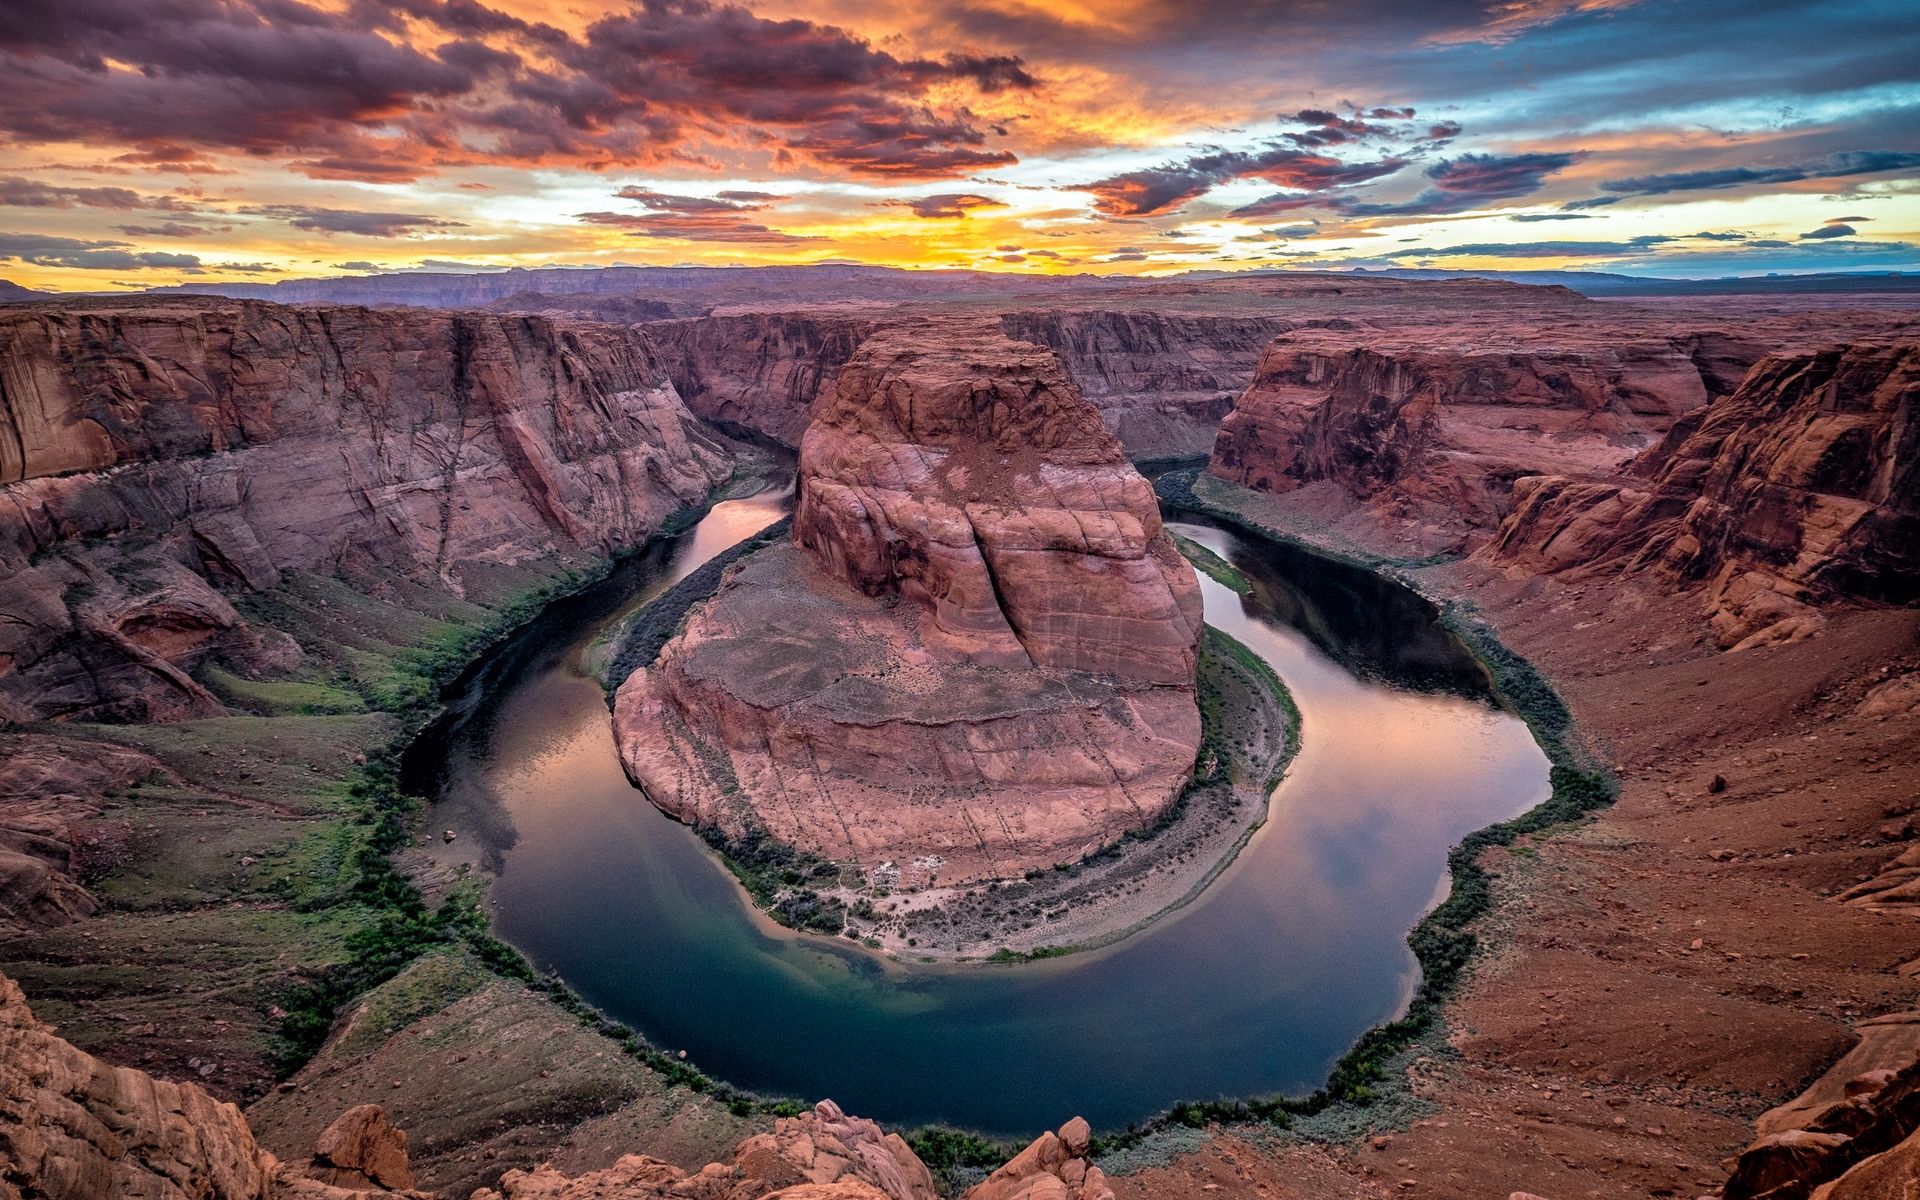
{"x":1840,"y":165}
{"x":1829,"y":230}
{"x":350,"y":221}
{"x":170,"y":229}
{"x":1456,"y":185}
{"x":340,"y":94}
{"x":1164,"y":188}
{"x":1472,"y":180}
{"x":946,"y":205}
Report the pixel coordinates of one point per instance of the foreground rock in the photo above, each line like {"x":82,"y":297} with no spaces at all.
{"x":978,"y":657}
{"x":820,"y":1155}
{"x":1800,"y":488}
{"x":75,"y":1128}
{"x":1853,"y":1135}
{"x":1054,"y":1167}
{"x":159,"y":459}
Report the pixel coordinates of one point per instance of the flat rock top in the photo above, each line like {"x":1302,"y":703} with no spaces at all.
{"x":788,"y":632}
{"x":969,"y":388}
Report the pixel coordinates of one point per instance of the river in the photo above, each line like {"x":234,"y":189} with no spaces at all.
{"x":1256,"y":987}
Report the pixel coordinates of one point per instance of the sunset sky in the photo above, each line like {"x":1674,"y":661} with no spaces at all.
{"x":147,"y":142}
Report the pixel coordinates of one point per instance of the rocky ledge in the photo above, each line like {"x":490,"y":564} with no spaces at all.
{"x":977,"y":657}
{"x":1801,"y":488}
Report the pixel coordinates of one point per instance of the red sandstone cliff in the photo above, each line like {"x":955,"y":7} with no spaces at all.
{"x":1161,"y":380}
{"x":979,"y":654}
{"x":1438,"y":428}
{"x":763,"y":372}
{"x":156,"y":458}
{"x":1801,"y":487}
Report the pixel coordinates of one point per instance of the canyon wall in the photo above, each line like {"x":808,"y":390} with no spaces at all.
{"x":762,"y":372}
{"x":976,"y":659}
{"x":1438,"y":429}
{"x":157,"y":459}
{"x":1162,"y":381}
{"x":1801,"y":487}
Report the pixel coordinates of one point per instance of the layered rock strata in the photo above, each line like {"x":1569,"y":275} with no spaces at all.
{"x":762,"y":372}
{"x":820,"y":1155}
{"x":1800,"y":488}
{"x":976,"y":658}
{"x":1162,"y":381}
{"x":159,"y":458}
{"x":1437,"y":428}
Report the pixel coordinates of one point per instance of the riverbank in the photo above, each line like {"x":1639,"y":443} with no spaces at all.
{"x":1706,"y":912}
{"x":243,"y":864}
{"x":1250,"y":730}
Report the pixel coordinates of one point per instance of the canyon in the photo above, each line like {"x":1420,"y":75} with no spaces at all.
{"x":232,"y":526}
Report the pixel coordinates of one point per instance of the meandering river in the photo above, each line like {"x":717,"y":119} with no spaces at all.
{"x":1257,"y":986}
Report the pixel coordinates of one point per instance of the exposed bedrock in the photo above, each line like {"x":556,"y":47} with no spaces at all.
{"x":978,"y":654}
{"x":1162,"y":381}
{"x":763,"y":372}
{"x":159,"y":458}
{"x":1800,"y":488}
{"x":1437,"y":429}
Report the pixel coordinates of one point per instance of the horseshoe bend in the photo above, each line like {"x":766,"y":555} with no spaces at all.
{"x":708,"y":600}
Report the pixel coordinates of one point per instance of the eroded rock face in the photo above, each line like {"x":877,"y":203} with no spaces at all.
{"x":979,"y":654}
{"x":978,"y":482}
{"x":1853,"y":1135}
{"x":820,"y":1155}
{"x":763,"y":372}
{"x":1801,"y":487}
{"x":1054,"y":1167}
{"x":1162,"y":381}
{"x":75,"y":1128}
{"x":1437,"y":427}
{"x":156,"y":457}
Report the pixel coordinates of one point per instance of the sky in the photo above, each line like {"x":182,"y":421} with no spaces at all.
{"x":151,"y":142}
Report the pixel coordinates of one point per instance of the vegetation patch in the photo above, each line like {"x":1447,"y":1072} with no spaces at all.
{"x":1213,"y":566}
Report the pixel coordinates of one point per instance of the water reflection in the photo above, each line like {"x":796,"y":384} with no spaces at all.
{"x":1256,"y":987}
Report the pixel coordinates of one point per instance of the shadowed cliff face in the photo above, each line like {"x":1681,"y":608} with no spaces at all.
{"x":762,"y":372}
{"x":160,"y":458}
{"x":980,"y":651}
{"x":1162,"y":381}
{"x":1801,"y":487}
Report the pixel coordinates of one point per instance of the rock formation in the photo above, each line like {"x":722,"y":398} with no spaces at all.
{"x":1054,"y":1167}
{"x":1436,"y":425}
{"x":820,"y":1155}
{"x":763,"y":372}
{"x":1801,"y":487}
{"x":1162,"y":381}
{"x":75,"y":1128}
{"x":978,"y":655}
{"x":1853,"y":1135}
{"x":157,"y":458}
